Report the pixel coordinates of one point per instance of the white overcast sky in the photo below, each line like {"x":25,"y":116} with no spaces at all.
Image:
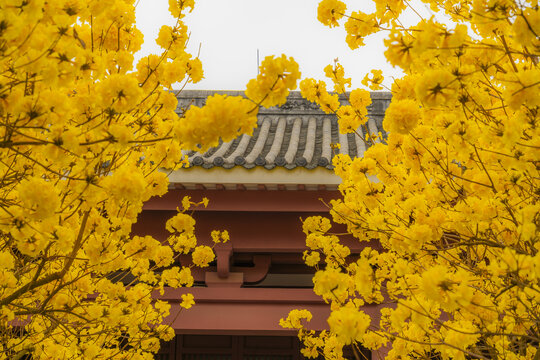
{"x":229,"y":32}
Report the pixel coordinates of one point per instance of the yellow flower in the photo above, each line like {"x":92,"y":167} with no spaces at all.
{"x":316,"y":224}
{"x":163,"y":256}
{"x":524,"y":91}
{"x":404,"y":88}
{"x":205,"y":201}
{"x":399,"y":49}
{"x":225,"y":236}
{"x":311,"y":258}
{"x":172,"y":36}
{"x":38,"y":197}
{"x":185,"y":276}
{"x":277,"y":76}
{"x":360,"y":99}
{"x":215,"y":235}
{"x":374,"y":82}
{"x":194,"y":70}
{"x":311,"y":89}
{"x":315,"y":91}
{"x":294,"y":319}
{"x":348,"y":323}
{"x":348,"y":120}
{"x":126,"y":184}
{"x":330,"y":11}
{"x":203,"y":255}
{"x":122,"y":134}
{"x":331,"y":284}
{"x":402,"y":116}
{"x":337,"y":74}
{"x":358,"y":26}
{"x":526,"y":27}
{"x":187,"y":301}
{"x":163,"y":307}
{"x":6,"y":260}
{"x":121,"y":92}
{"x":222,"y":116}
{"x":171,"y":277}
{"x":181,"y":223}
{"x":186,"y":202}
{"x":436,"y":87}
{"x":388,"y":9}
{"x":176,"y":7}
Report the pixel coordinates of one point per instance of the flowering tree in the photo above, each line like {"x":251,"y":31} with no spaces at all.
{"x":451,"y":193}
{"x":82,"y":136}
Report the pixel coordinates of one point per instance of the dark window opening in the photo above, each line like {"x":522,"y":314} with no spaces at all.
{"x":229,"y":347}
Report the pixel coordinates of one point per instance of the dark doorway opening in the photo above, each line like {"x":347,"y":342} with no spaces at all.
{"x":234,"y":347}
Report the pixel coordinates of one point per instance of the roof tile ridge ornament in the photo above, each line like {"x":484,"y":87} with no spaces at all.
{"x":309,"y":150}
{"x":237,"y":156}
{"x":270,"y":158}
{"x":197,"y":159}
{"x":360,"y":142}
{"x":296,"y":104}
{"x":261,"y":140}
{"x":294,"y":141}
{"x":326,"y":155}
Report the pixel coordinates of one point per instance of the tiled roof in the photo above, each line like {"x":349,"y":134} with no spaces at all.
{"x":297,"y":134}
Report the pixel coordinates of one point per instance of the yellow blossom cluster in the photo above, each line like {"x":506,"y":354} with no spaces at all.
{"x":276,"y":78}
{"x":336,"y":73}
{"x":358,"y":26}
{"x":351,"y":118}
{"x":315,"y":91}
{"x":450,"y":194}
{"x":220,"y":236}
{"x":84,"y":131}
{"x":294,"y":319}
{"x":374,"y":81}
{"x":330,"y":11}
{"x":222,"y":116}
{"x":187,"y":301}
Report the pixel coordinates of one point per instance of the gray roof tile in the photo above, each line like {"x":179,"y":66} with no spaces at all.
{"x":296,"y":134}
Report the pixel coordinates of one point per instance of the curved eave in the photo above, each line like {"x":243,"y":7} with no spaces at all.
{"x":257,"y":178}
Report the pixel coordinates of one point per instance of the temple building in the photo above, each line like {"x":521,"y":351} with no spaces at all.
{"x":260,"y":188}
